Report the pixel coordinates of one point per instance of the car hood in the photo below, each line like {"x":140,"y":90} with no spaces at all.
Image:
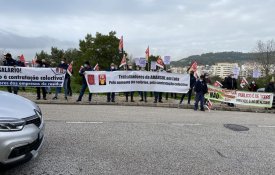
{"x":15,"y":107}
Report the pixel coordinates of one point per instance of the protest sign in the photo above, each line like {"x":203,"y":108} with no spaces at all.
{"x":32,"y":77}
{"x":127,"y":81}
{"x":240,"y":97}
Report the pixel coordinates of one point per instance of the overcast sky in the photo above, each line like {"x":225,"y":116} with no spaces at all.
{"x":178,"y":28}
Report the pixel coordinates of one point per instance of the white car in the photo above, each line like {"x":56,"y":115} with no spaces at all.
{"x":21,"y":128}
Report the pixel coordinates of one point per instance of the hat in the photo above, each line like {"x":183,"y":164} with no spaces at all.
{"x":8,"y":55}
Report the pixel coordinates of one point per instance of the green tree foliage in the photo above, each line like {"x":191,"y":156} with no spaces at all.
{"x":101,"y":49}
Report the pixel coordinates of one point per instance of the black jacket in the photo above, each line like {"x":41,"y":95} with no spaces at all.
{"x":201,"y":87}
{"x":270,"y":88}
{"x":10,"y":62}
{"x":82,"y":71}
{"x":231,"y":83}
{"x":192,"y":80}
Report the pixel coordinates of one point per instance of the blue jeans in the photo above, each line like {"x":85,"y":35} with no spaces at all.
{"x":82,"y":91}
{"x":65,"y":86}
{"x":199,"y":98}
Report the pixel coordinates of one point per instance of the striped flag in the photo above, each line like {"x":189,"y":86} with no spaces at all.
{"x":209,"y":105}
{"x":96,"y":68}
{"x":123,"y":61}
{"x":70,"y":68}
{"x":147,"y":53}
{"x":160,"y":62}
{"x":217,"y":84}
{"x":120,"y":47}
{"x":244,"y":82}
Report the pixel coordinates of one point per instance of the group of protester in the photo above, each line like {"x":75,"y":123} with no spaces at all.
{"x":9,"y":61}
{"x":197,"y":84}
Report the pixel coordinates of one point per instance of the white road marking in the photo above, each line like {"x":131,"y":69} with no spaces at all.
{"x":187,"y":124}
{"x":265,"y":126}
{"x":84,"y":122}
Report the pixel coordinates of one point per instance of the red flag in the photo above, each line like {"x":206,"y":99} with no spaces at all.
{"x":160,"y":63}
{"x":194,"y":66}
{"x":70,"y":68}
{"x":34,"y":61}
{"x":147,"y":52}
{"x":120,"y":47}
{"x":123,"y":61}
{"x":217,"y":84}
{"x":22,"y":59}
{"x":96,"y":68}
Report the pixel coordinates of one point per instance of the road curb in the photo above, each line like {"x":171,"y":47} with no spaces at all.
{"x":165,"y":105}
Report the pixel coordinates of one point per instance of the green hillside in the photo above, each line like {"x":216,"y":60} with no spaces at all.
{"x":212,"y":58}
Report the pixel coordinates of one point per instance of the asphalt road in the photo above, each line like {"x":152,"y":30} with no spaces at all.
{"x":144,"y":140}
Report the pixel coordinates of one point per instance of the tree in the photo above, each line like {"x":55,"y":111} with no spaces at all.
{"x":43,"y":55}
{"x":265,"y":54}
{"x":101,"y":49}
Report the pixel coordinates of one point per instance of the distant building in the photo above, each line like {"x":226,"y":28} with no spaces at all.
{"x":222,"y":69}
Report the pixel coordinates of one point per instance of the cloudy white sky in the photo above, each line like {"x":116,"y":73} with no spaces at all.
{"x":178,"y":28}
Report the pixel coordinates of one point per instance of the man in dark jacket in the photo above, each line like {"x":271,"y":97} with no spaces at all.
{"x":192,"y":84}
{"x":200,"y":88}
{"x":9,"y":61}
{"x":83,"y":69}
{"x":231,"y":83}
{"x":129,"y":68}
{"x":271,"y":89}
{"x":40,"y":64}
{"x":111,"y":95}
{"x":63,"y":66}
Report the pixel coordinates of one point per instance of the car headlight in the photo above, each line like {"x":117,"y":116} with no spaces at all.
{"x":12,"y":125}
{"x":38,"y":113}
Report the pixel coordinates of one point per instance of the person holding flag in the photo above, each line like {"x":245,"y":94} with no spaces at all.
{"x":201,"y":89}
{"x":63,"y":66}
{"x":83,"y":69}
{"x":192,"y":84}
{"x":158,"y":95}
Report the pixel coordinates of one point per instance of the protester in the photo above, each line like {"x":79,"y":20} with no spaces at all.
{"x":62,"y":67}
{"x":271,"y":89}
{"x":129,"y":68}
{"x":173,"y":95}
{"x":143,"y":94}
{"x":9,"y":61}
{"x":83,"y":69}
{"x":253,"y":86}
{"x":231,"y":84}
{"x":111,"y":95}
{"x":158,"y":95}
{"x":200,"y":88}
{"x":20,"y":63}
{"x":192,"y":84}
{"x":207,"y":79}
{"x":40,"y":64}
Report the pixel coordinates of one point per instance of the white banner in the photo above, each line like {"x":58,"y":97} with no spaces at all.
{"x":32,"y":77}
{"x":126,"y":81}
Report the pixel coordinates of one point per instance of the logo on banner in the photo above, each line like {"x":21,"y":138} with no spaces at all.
{"x":102,"y":79}
{"x":91,"y":79}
